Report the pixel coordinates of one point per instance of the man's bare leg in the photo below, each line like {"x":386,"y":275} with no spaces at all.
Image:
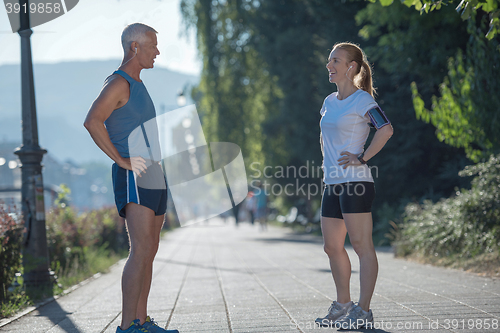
{"x":142,"y":305}
{"x":143,"y":237}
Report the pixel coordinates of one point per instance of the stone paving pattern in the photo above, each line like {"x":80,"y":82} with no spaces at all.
{"x":216,"y":277}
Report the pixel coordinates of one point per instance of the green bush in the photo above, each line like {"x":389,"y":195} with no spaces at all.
{"x":74,"y":239}
{"x":10,"y":250}
{"x":464,"y":226}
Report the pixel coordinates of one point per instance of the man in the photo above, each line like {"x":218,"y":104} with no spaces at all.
{"x":122,"y":106}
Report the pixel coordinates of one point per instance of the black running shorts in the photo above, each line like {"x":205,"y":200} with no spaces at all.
{"x":346,"y":198}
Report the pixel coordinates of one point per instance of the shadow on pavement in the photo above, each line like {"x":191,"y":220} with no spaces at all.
{"x":58,"y":316}
{"x":384,"y":249}
{"x":235,"y":270}
{"x":298,"y":238}
{"x":292,"y":239}
{"x":211,"y":267}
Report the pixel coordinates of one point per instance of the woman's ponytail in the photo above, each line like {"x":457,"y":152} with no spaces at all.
{"x":365,"y":81}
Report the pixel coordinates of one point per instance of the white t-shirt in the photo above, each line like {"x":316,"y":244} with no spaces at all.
{"x":344,"y":127}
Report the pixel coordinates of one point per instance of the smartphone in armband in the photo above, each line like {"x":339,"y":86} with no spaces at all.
{"x":377,"y":117}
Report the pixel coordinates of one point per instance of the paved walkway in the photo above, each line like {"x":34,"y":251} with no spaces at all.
{"x":216,"y":277}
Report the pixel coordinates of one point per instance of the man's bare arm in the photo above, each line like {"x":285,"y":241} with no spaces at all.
{"x":113,"y":95}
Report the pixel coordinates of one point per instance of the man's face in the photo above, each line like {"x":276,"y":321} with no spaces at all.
{"x":148,"y":50}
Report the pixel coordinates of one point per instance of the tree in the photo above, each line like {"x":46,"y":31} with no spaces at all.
{"x":234,"y":92}
{"x":466,"y":9}
{"x":466,"y":113}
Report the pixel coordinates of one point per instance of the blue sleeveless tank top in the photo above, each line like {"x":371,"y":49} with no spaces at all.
{"x":138,"y":110}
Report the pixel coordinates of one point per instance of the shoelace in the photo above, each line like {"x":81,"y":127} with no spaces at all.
{"x":334,"y":306}
{"x":357,"y":312}
{"x":153,"y":322}
{"x":140,"y":328}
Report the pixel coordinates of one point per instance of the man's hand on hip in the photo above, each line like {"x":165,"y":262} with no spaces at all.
{"x":137,"y":164}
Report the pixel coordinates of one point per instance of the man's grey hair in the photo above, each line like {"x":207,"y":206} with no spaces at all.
{"x":134,"y":32}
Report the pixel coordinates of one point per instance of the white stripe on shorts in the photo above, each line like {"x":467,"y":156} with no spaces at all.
{"x":136,"y":188}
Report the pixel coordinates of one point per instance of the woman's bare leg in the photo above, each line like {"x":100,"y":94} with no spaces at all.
{"x":334,"y":232}
{"x":359,"y":227}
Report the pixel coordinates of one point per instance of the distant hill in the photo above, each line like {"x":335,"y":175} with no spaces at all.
{"x":64,"y":93}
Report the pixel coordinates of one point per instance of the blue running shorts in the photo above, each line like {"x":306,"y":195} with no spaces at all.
{"x":149,"y":190}
{"x":351,"y":197}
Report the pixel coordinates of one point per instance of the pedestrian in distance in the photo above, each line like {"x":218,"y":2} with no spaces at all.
{"x":138,"y":181}
{"x":346,"y":118}
{"x":250,"y":206}
{"x":260,"y":214}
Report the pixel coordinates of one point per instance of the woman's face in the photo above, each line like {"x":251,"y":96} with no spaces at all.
{"x":338,"y":66}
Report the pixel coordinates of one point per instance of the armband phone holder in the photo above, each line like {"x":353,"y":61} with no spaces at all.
{"x":378,"y":119}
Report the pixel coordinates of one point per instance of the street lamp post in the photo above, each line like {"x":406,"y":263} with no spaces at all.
{"x":35,"y":253}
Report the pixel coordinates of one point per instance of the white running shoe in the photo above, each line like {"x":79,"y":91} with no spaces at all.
{"x":355,"y":318}
{"x":335,"y":312}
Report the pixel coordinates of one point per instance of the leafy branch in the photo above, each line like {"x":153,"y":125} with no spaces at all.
{"x":465,"y":9}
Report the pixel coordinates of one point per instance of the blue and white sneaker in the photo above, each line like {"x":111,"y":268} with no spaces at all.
{"x":152,"y":326}
{"x":135,"y":327}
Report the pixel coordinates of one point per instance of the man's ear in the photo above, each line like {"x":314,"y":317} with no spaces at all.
{"x":134,"y":46}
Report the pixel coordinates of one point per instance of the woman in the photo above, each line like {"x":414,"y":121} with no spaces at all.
{"x":347,"y":115}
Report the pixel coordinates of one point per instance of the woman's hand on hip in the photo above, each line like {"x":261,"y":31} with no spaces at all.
{"x":348,"y":159}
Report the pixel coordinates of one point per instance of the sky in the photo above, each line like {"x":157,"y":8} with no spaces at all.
{"x":92,"y":30}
